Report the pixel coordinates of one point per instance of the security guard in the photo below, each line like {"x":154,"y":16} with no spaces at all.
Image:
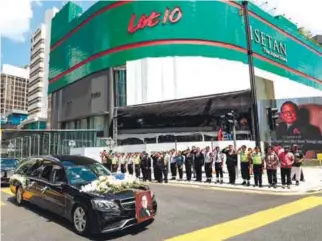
{"x":257,"y":162}
{"x":244,"y":165}
{"x":137,"y":163}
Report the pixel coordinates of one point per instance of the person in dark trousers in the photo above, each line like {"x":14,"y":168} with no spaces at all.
{"x":158,"y":167}
{"x":130,"y":161}
{"x":244,"y":164}
{"x":231,"y":163}
{"x":271,"y":160}
{"x":193,"y":154}
{"x":146,"y":167}
{"x":258,"y":165}
{"x":199,"y":162}
{"x":179,"y":163}
{"x":287,"y":159}
{"x":156,"y":173}
{"x":173,"y":165}
{"x":208,"y":164}
{"x":123,"y":160}
{"x":219,"y":160}
{"x":137,"y":164}
{"x":165,"y":167}
{"x":188,"y":164}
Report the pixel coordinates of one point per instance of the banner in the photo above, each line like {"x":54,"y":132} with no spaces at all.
{"x":299,"y":123}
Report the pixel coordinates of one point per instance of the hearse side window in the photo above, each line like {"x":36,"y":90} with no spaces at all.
{"x":46,"y":173}
{"x":58,"y":175}
{"x":24,"y":167}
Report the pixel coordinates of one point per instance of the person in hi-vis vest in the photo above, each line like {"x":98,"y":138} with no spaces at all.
{"x":137,"y":163}
{"x":130,"y":162}
{"x":244,"y":165}
{"x":257,"y":161}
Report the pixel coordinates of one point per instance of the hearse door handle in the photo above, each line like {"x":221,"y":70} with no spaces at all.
{"x":44,"y":189}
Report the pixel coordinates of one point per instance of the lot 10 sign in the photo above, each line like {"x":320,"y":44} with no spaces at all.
{"x":154,"y":19}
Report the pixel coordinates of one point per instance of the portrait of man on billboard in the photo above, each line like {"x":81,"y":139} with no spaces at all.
{"x":143,"y":204}
{"x":295,"y":123}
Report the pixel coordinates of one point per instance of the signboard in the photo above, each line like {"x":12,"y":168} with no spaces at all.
{"x":71,"y":143}
{"x":143,"y":206}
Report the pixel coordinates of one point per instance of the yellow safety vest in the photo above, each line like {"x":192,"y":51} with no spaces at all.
{"x":137,"y":160}
{"x":114,"y":161}
{"x":244,"y":156}
{"x":257,"y":159}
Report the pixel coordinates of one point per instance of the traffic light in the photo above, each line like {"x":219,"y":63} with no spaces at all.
{"x":272,"y":114}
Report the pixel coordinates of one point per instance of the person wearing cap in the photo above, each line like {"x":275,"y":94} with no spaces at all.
{"x":258,"y":165}
{"x":244,"y":164}
{"x":287,"y":159}
{"x":271,"y":160}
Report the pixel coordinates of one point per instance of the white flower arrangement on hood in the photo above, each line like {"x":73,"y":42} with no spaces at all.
{"x":106,"y":184}
{"x":23,"y":181}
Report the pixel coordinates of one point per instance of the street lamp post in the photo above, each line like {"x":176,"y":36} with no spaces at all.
{"x":251,"y":73}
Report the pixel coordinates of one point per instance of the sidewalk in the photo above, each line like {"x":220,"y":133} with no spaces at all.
{"x":313,"y":182}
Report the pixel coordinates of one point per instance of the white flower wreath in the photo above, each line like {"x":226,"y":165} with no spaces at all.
{"x":106,"y":184}
{"x":19,"y":178}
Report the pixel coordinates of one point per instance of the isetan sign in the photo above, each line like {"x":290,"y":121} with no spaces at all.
{"x":271,"y":46}
{"x":154,"y":19}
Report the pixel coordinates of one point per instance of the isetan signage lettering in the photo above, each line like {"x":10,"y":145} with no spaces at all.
{"x":271,"y":46}
{"x":154,"y":19}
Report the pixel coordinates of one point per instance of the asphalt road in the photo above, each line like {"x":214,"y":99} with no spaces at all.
{"x":181,"y":210}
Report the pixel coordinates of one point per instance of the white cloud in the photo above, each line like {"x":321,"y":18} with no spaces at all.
{"x":15,"y":16}
{"x":305,"y":13}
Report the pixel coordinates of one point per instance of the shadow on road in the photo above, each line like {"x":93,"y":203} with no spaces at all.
{"x":51,"y":217}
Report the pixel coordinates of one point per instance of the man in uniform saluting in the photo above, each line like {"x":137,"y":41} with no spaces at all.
{"x":244,"y":164}
{"x":257,"y":161}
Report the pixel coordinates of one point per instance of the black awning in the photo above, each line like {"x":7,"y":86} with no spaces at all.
{"x":198,"y":106}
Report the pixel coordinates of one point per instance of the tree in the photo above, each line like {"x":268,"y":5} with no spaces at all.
{"x":306,"y":33}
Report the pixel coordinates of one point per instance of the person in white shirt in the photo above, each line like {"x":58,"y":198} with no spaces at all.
{"x":208,"y":164}
{"x":219,"y":160}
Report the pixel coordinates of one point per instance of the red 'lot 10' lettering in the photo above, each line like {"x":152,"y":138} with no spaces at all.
{"x":154,"y":19}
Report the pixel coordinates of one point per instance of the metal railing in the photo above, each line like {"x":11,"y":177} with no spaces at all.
{"x":26,"y":143}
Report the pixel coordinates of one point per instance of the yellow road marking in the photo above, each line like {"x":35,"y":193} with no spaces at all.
{"x":240,"y":190}
{"x":7,"y":191}
{"x":248,"y":223}
{"x":2,"y":203}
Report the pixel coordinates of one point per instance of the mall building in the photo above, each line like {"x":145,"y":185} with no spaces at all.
{"x":168,"y":70}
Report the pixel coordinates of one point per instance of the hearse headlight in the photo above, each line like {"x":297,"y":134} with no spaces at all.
{"x":104,"y":205}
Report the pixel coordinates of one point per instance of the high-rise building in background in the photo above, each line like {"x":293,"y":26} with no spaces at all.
{"x":14,"y":89}
{"x":39,"y":67}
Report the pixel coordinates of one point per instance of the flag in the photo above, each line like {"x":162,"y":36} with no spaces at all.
{"x":220,"y":135}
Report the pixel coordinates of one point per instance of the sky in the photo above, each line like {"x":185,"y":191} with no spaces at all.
{"x":19,"y":18}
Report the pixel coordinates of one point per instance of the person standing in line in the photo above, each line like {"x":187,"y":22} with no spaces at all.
{"x":296,"y":167}
{"x":271,"y":160}
{"x":179,"y":163}
{"x":219,"y":160}
{"x":130,"y":163}
{"x":156,"y":172}
{"x":158,"y":166}
{"x":287,"y":159}
{"x":258,"y":166}
{"x":103,"y":156}
{"x":165,"y":169}
{"x":143,"y":163}
{"x":231,"y":163}
{"x":137,"y":164}
{"x":188,"y":164}
{"x":114,"y":162}
{"x":193,"y":154}
{"x":199,"y":162}
{"x":123,"y":160}
{"x":297,"y":152}
{"x":173,"y":165}
{"x":244,"y":165}
{"x":208,"y":164}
